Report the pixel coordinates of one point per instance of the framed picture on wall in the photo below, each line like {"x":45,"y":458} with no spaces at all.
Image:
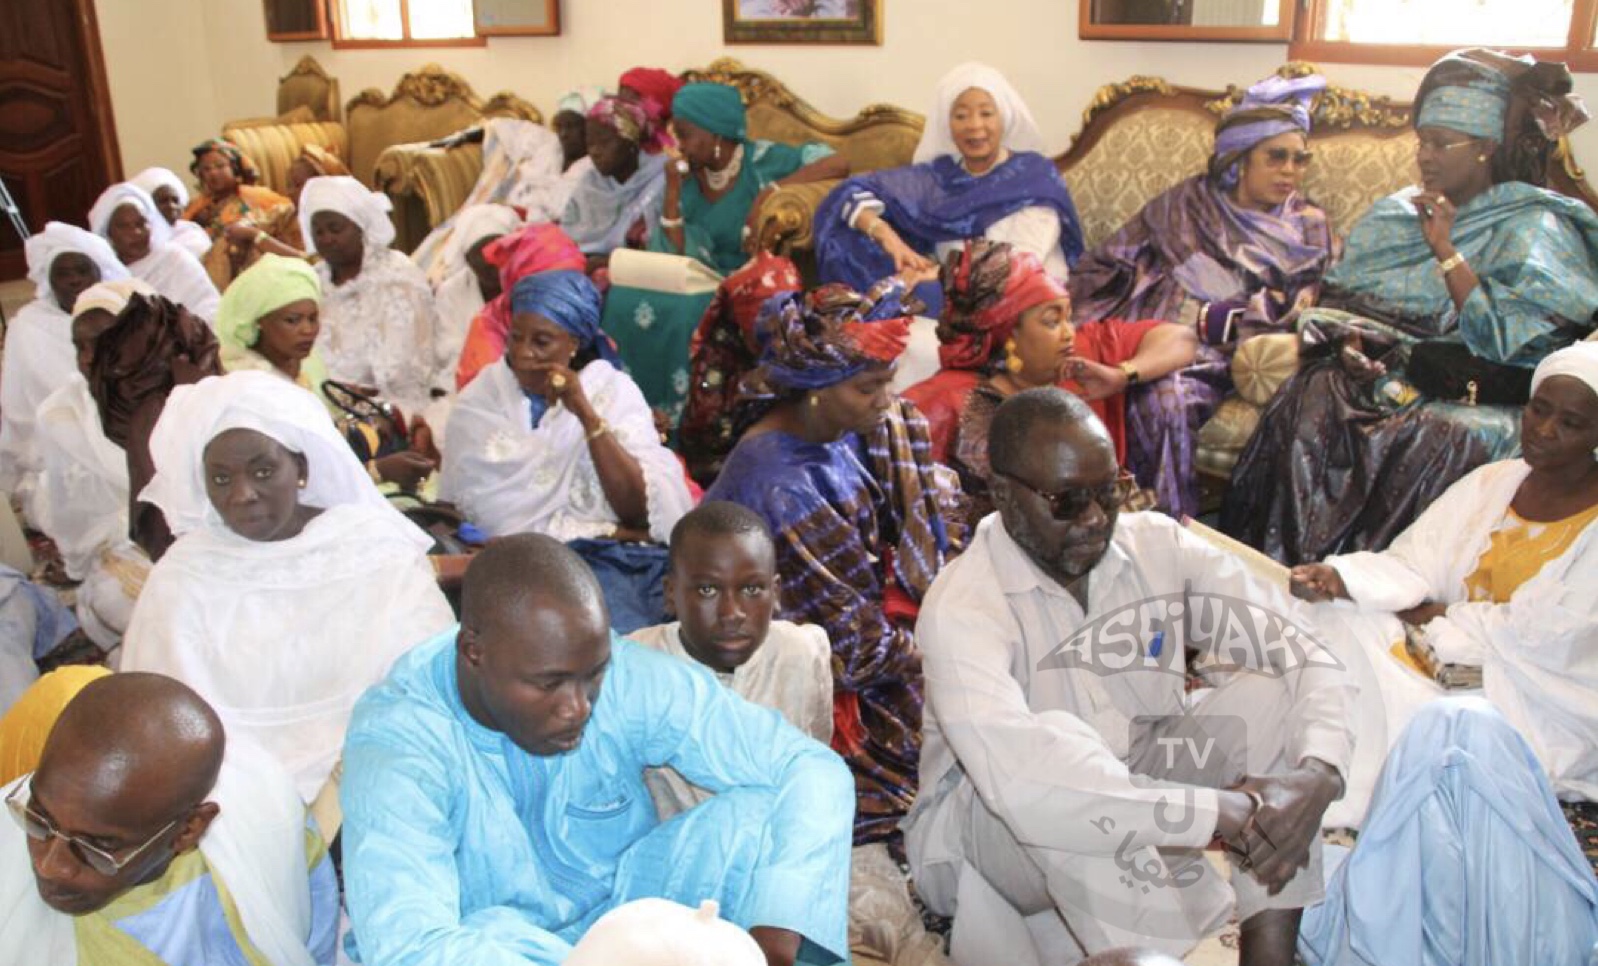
{"x":517,"y":18}
{"x":801,"y":21}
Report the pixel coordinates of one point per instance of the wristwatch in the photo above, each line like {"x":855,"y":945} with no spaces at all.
{"x":1130,"y":370}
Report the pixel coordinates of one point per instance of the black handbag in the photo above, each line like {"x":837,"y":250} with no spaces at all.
{"x":1448,"y":370}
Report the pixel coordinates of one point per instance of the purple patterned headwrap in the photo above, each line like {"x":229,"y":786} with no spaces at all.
{"x":833,"y":333}
{"x":1275,"y":105}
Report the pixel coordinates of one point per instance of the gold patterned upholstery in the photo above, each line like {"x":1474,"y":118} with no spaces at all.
{"x":425,"y":105}
{"x":428,"y":184}
{"x":309,"y":86}
{"x":879,"y":136}
{"x":1132,"y":162}
{"x":274,"y":146}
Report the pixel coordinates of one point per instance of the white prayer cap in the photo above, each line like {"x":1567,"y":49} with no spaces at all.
{"x":57,"y":239}
{"x":659,"y":932}
{"x":111,"y":296}
{"x":151,"y":179}
{"x":347,"y":196}
{"x":1580,"y":361}
{"x":128,"y":193}
{"x":1020,"y":130}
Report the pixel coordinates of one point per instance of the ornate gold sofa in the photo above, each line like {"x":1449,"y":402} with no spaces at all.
{"x":425,"y":104}
{"x":1143,"y":135}
{"x":307,"y":113}
{"x":427,"y":184}
{"x":878,"y":136}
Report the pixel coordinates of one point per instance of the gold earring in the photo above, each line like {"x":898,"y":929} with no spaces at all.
{"x":814,"y":400}
{"x":1481,"y":159}
{"x":1012,"y":358}
{"x":302,"y":483}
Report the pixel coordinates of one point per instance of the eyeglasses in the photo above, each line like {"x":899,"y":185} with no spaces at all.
{"x":1073,"y":501}
{"x":1278,"y":157}
{"x":40,"y":829}
{"x":1435,"y":146}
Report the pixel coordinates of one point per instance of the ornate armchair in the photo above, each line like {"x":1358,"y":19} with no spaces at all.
{"x":309,"y":86}
{"x":427,"y":184}
{"x":879,"y":136}
{"x":1143,"y":135}
{"x":308,"y":113}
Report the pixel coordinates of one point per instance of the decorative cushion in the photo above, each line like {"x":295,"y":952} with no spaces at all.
{"x":1262,"y":364}
{"x":1224,"y":436}
{"x":1140,"y":156}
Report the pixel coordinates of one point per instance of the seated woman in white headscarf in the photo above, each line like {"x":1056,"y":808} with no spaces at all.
{"x":81,"y":501}
{"x":555,"y":439}
{"x":63,"y":261}
{"x":171,"y":197}
{"x":377,"y":309}
{"x":977,"y":172}
{"x":126,"y":216}
{"x":464,"y":281}
{"x":293,"y":584}
{"x":1497,"y":575}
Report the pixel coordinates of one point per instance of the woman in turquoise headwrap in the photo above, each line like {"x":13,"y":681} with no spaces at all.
{"x":1471,"y":277}
{"x":712,"y":195}
{"x":554,"y":438}
{"x":723,"y":176}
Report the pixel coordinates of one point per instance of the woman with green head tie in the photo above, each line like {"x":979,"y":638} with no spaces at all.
{"x":268,"y":322}
{"x":713,"y":195}
{"x":723,"y":176}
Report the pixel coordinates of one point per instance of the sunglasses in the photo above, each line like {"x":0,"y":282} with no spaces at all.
{"x":41,"y":829}
{"x":1073,"y":501}
{"x":1278,"y":157}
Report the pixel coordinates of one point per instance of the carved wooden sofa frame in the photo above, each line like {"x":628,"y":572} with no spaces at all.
{"x":1144,"y":135}
{"x":390,"y":135}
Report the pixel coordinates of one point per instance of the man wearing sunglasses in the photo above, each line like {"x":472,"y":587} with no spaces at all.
{"x":143,"y":837}
{"x":1069,"y":784}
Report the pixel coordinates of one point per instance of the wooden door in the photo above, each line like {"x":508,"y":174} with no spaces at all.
{"x":58,"y":143}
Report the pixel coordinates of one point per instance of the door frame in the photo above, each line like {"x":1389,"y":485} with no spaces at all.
{"x":99,"y":90}
{"x":101,"y":133}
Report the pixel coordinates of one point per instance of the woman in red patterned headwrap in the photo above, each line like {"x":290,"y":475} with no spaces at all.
{"x":722,"y":351}
{"x":1006,"y":327}
{"x":653,"y":88}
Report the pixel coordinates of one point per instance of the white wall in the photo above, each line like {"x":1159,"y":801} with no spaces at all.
{"x":162,"y":90}
{"x":167,"y":99}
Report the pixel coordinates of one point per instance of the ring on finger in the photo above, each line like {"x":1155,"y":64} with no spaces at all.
{"x":557,"y":381}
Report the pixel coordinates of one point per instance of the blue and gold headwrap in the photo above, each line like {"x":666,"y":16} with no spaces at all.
{"x":1474,"y":102}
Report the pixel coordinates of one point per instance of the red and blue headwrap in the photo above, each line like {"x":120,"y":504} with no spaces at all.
{"x":832,"y":334}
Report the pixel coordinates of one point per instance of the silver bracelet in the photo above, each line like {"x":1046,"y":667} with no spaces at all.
{"x":670,"y":222}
